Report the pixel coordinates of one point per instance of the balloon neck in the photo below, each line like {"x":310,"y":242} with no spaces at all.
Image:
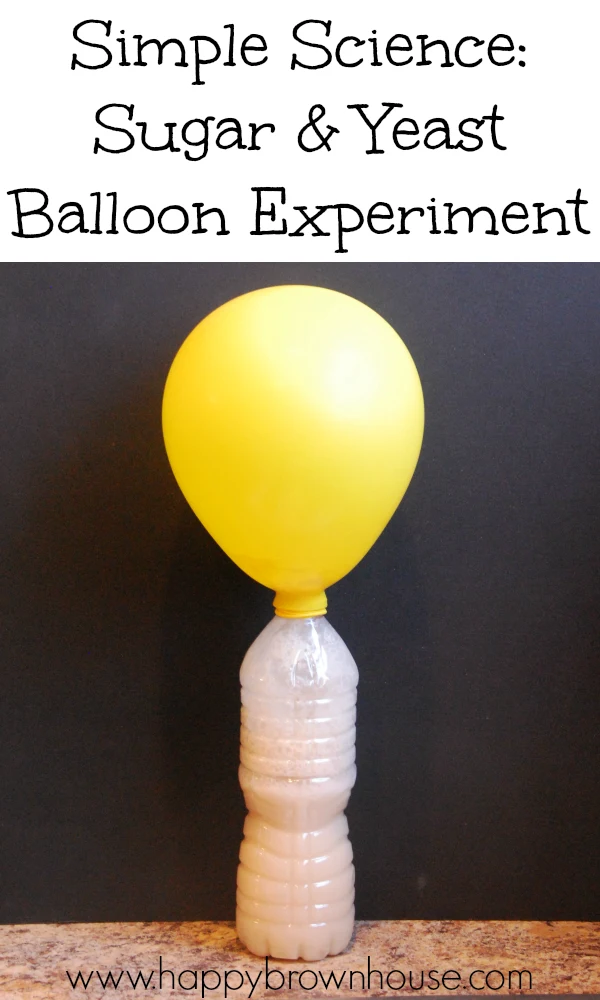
{"x":294,"y":605}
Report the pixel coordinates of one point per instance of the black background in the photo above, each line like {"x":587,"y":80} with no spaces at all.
{"x":474,"y":620}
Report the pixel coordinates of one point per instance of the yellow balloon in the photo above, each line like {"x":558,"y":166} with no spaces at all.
{"x":293,"y":420}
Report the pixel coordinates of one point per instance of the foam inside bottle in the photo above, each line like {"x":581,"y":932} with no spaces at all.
{"x":295,"y":888}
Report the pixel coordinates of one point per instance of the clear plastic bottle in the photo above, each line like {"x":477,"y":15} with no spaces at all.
{"x":295,"y":896}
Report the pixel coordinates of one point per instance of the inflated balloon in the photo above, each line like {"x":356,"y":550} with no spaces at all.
{"x":293,"y":421}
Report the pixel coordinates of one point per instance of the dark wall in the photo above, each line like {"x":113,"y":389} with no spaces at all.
{"x":474,"y":620}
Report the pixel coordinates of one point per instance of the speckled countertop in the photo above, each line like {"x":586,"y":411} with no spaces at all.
{"x":562,"y":957}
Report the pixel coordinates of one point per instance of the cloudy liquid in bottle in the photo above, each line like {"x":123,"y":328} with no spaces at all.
{"x":295,"y":887}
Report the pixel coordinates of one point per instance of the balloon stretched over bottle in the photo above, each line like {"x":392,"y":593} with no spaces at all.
{"x":293,"y":421}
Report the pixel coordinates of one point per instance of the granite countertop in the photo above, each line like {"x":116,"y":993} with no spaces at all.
{"x":562,"y":957}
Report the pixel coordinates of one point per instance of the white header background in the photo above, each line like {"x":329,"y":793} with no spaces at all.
{"x":550,"y":110}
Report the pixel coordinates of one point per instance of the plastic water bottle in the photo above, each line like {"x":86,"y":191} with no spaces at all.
{"x":295,"y":895}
